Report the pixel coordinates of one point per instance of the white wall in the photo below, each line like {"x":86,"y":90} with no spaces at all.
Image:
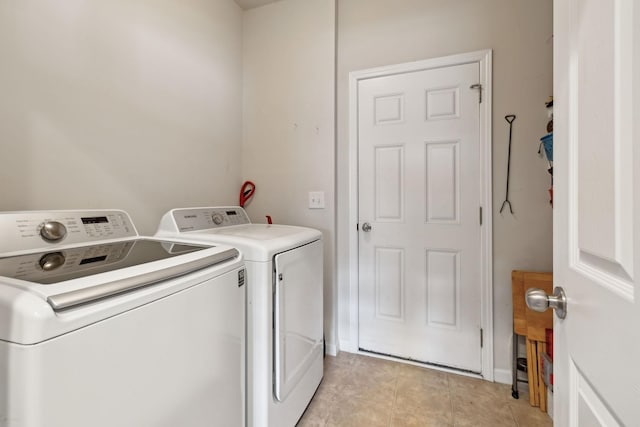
{"x":379,"y":32}
{"x":289,"y":132}
{"x":137,"y":105}
{"x":120,"y":104}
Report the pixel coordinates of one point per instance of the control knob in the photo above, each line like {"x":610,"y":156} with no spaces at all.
{"x":51,"y":261}
{"x":217,"y":218}
{"x":52,"y":231}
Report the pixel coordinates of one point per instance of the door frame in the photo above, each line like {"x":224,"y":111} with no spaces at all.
{"x":484,"y":59}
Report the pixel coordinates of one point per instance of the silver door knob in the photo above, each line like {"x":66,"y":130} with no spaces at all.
{"x":366,"y":227}
{"x":538,"y":300}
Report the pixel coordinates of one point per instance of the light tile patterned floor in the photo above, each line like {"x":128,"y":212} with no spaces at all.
{"x":365,"y":391}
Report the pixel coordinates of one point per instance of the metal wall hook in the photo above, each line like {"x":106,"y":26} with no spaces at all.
{"x":506,"y":203}
{"x":510,"y":119}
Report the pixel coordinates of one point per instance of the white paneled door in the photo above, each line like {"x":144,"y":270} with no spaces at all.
{"x":596,"y":212}
{"x":419,"y":189}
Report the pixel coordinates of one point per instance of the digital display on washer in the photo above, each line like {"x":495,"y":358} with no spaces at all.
{"x":93,"y":259}
{"x":95,"y":220}
{"x":231,"y":213}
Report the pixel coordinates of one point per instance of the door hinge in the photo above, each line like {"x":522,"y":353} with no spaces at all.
{"x":480,"y":215}
{"x":479,"y":87}
{"x":481,"y":339}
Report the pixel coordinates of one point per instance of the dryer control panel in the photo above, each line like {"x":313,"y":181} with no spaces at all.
{"x":44,"y":229}
{"x":193,"y":219}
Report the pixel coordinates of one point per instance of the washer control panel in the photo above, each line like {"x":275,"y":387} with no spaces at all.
{"x":43,"y":229}
{"x":192,"y":219}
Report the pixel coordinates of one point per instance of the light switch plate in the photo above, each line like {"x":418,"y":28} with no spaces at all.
{"x":316,"y":199}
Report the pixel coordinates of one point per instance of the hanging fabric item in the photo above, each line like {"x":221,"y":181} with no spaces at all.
{"x":547,"y":142}
{"x":509,"y":118}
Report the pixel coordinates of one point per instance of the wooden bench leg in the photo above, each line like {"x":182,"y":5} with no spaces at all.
{"x":532,"y":372}
{"x":542,"y":389}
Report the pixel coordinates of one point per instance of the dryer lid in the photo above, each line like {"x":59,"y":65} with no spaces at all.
{"x":231,"y":226}
{"x":257,"y":242}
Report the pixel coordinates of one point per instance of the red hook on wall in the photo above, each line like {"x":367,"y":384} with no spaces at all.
{"x":246,"y":192}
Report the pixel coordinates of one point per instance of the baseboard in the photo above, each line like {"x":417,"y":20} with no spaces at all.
{"x":348,"y":347}
{"x":502,"y":376}
{"x":331,"y":350}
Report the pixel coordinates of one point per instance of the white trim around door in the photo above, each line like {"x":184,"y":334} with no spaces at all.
{"x":484,"y":59}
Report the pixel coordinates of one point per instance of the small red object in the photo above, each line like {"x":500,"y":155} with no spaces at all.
{"x":269,"y":219}
{"x":246,"y":192}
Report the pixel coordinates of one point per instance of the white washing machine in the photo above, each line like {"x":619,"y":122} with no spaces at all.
{"x":101,"y":327}
{"x":285,"y":309}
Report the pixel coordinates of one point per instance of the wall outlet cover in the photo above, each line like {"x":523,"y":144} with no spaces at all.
{"x":316,"y":199}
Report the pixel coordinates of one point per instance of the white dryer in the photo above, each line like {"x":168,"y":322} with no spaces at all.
{"x":101,"y":327}
{"x":285,"y":309}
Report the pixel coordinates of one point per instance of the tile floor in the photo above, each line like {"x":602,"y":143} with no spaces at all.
{"x":365,"y":391}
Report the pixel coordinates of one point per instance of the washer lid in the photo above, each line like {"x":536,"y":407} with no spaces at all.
{"x":73,"y":263}
{"x":76,"y":286}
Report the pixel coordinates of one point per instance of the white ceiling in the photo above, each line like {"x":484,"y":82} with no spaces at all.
{"x":250,"y":4}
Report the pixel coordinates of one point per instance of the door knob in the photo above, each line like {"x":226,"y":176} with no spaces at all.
{"x":366,"y":227}
{"x":538,"y":300}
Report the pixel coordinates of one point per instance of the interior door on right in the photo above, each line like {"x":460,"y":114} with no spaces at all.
{"x":419,"y":190}
{"x":597,"y":212}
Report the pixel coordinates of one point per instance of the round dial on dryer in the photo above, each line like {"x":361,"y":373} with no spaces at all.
{"x":53,"y":231}
{"x":217,"y":218}
{"x":51,"y":261}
